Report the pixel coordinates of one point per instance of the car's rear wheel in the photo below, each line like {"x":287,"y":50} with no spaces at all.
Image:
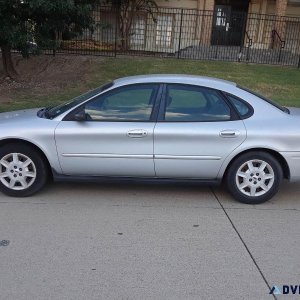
{"x":254,"y":177}
{"x":23,"y":171}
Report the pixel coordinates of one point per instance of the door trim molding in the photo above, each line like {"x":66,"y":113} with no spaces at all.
{"x":143,"y":156}
{"x":188,"y":157}
{"x":95,"y":155}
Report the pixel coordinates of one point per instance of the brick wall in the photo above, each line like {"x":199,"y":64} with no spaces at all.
{"x":206,"y":36}
{"x":209,"y":4}
{"x":281,"y":6}
{"x":280,"y":10}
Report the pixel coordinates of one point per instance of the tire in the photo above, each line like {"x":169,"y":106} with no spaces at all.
{"x":23,"y":170}
{"x":254,"y":177}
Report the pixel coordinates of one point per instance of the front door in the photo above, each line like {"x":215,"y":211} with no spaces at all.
{"x":116,"y":137}
{"x":229,"y":22}
{"x":221,"y":25}
{"x":196,"y":133}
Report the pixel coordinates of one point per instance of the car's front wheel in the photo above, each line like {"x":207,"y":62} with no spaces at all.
{"x":254,"y":177}
{"x":23,"y":171}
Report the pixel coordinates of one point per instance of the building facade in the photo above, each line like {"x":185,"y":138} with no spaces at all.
{"x":218,"y":22}
{"x":209,"y":29}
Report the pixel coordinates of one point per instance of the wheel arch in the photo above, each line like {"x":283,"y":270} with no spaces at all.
{"x":28,"y":143}
{"x":275,"y":154}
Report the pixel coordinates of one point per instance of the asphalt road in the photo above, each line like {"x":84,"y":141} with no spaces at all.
{"x":93,"y":241}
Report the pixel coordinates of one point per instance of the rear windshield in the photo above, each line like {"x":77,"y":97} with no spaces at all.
{"x":272,"y":102}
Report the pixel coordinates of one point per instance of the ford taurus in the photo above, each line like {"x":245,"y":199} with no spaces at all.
{"x":176,"y":128}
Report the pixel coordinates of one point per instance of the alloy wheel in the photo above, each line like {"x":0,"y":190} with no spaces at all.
{"x":255,"y":178}
{"x":17,"y":171}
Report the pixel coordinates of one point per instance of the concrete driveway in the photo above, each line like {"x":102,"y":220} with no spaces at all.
{"x":92,"y":241}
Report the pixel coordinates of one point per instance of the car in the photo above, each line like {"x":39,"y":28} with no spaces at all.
{"x":149,"y":128}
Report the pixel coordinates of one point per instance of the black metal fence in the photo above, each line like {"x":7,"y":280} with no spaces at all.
{"x":190,"y":34}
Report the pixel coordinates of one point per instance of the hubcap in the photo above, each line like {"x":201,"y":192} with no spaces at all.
{"x":17,"y":171}
{"x":255,"y":178}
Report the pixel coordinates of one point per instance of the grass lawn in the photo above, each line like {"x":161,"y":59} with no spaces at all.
{"x":278,"y":83}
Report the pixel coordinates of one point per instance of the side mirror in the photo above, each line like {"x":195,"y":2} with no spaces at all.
{"x":80,"y":116}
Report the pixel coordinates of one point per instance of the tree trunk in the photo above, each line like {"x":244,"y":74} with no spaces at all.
{"x":125,"y":30}
{"x":8,"y":66}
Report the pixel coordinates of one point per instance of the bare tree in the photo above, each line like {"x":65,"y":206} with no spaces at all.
{"x":127,"y":10}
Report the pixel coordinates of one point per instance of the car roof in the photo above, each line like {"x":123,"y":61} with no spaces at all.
{"x":175,"y":78}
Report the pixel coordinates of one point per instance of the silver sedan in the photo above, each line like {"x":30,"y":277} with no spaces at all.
{"x":155,"y":128}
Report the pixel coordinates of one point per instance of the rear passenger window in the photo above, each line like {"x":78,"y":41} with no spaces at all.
{"x":241,"y":106}
{"x":186,"y":103}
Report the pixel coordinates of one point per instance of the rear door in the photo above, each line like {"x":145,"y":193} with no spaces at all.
{"x":197,"y":130}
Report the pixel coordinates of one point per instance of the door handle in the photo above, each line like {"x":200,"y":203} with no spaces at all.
{"x":137,"y":133}
{"x":229,"y":133}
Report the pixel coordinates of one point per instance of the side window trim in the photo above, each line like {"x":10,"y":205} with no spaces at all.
{"x":154,"y":112}
{"x":162,"y":106}
{"x":162,"y":109}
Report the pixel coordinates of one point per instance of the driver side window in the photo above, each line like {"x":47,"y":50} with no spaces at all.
{"x":130,"y":103}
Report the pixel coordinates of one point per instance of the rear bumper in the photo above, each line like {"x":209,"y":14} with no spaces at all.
{"x":293,"y":161}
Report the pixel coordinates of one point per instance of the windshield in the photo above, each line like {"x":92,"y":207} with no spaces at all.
{"x":272,"y":102}
{"x":53,"y":112}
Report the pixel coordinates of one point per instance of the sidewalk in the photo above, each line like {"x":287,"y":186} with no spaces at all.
{"x":88,"y":241}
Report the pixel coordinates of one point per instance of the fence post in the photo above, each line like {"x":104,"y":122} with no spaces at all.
{"x":54,"y":48}
{"x":299,"y":62}
{"x":117,"y":12}
{"x":244,"y":20}
{"x":180,"y":32}
{"x":217,"y":46}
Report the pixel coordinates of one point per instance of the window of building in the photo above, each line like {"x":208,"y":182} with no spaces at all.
{"x":164,"y":30}
{"x":138,"y":30}
{"x":221,"y":17}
